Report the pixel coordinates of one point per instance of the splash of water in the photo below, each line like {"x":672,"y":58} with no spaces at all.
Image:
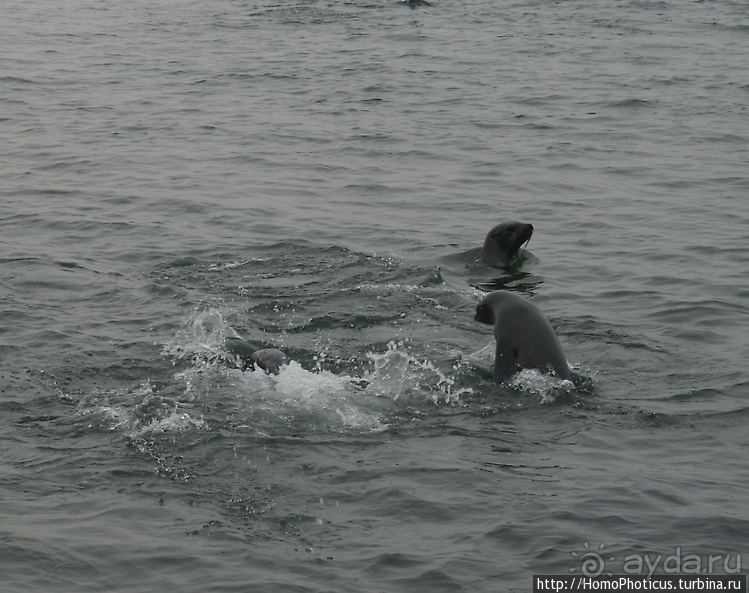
{"x":537,"y":383}
{"x":316,"y":398}
{"x":397,"y":373}
{"x":335,"y":401}
{"x":202,"y":338}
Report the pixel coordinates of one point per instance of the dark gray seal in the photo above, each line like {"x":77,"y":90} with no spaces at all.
{"x":525,"y":338}
{"x":247,"y":354}
{"x":270,"y":360}
{"x":503,"y":243}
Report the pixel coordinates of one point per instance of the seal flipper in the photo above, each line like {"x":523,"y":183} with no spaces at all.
{"x":505,"y":363}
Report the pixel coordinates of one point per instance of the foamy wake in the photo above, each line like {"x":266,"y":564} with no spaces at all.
{"x":137,"y":412}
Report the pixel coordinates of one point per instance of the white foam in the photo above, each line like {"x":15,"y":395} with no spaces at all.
{"x":335,"y":400}
{"x":535,"y":382}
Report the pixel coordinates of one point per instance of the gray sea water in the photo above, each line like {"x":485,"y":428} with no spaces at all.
{"x":319,"y":176}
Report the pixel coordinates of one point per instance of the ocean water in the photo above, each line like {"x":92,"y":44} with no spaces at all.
{"x":319,"y":176}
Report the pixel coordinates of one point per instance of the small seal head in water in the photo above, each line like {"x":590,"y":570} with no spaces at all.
{"x":525,"y":338}
{"x":503,"y":242}
{"x":270,"y":360}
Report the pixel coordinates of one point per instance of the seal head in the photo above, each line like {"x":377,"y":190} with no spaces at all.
{"x":503,"y":242}
{"x":270,"y":360}
{"x":525,"y":338}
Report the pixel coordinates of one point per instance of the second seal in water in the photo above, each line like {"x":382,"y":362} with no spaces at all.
{"x":503,"y":242}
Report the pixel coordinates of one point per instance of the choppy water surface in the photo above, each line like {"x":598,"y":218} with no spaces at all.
{"x":319,"y":177}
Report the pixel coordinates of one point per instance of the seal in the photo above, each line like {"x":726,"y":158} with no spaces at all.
{"x":269,"y":359}
{"x":503,"y":242}
{"x":246,"y":355}
{"x":525,"y":338}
